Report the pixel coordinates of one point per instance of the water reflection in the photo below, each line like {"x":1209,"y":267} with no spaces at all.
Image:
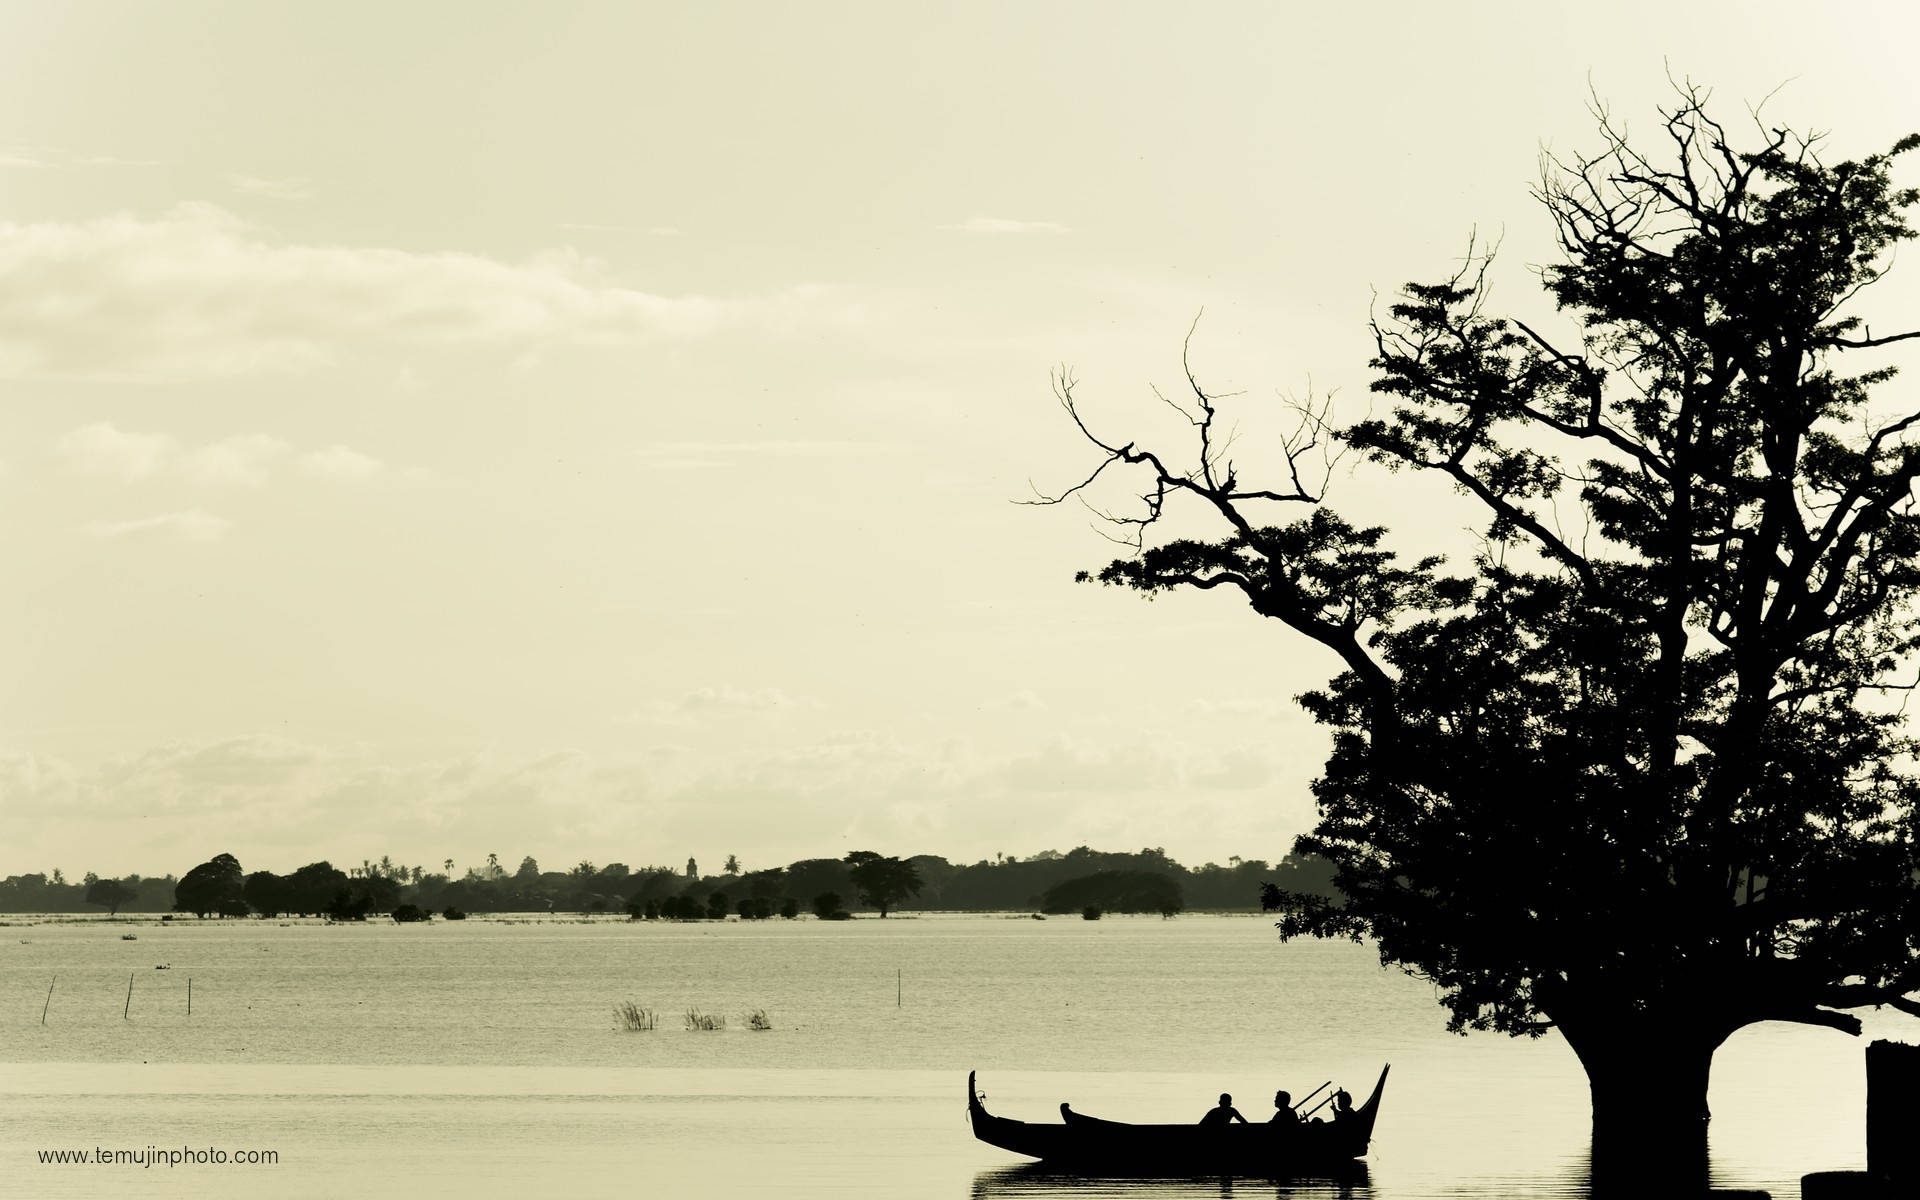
{"x":1037,"y":1179}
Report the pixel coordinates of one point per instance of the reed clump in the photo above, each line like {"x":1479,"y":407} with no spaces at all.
{"x":758,"y":1021}
{"x":705,"y":1022}
{"x":635,"y":1018}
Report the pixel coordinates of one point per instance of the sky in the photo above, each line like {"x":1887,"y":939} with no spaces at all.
{"x":594,"y":431}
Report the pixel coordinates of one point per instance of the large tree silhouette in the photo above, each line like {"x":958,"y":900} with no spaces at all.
{"x":1637,"y":776}
{"x":883,"y":881}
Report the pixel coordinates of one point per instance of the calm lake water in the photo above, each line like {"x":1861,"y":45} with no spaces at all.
{"x":484,"y":1058}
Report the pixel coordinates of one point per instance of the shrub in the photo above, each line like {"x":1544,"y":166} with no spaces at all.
{"x":1090,"y":913}
{"x":411,"y":912}
{"x":758,"y":1022}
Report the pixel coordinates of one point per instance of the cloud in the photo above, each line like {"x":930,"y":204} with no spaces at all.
{"x":273,"y":189}
{"x":245,"y":460}
{"x":1061,"y":766}
{"x":279,"y":802}
{"x":341,"y":464}
{"x":104,"y":449}
{"x":1005,"y":225}
{"x":256,"y":761}
{"x":1022,"y":701}
{"x":707,"y":456}
{"x":729,"y":699}
{"x":193,"y":525}
{"x":199,"y":292}
{"x":29,"y":158}
{"x":666,"y":231}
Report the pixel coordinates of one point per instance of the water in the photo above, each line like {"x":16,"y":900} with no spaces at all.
{"x":484,"y":1058}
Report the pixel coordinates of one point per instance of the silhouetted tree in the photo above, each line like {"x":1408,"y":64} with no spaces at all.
{"x":826,"y":906}
{"x":883,"y":881}
{"x":109,"y":894}
{"x":212,"y":886}
{"x":810,"y":876}
{"x":1116,"y":891}
{"x":266,"y":893}
{"x":1629,"y":778}
{"x":312,"y":889}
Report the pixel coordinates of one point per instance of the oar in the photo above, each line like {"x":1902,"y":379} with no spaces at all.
{"x":1310,"y":1095}
{"x":1316,"y":1108}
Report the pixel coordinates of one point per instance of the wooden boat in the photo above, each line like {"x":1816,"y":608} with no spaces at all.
{"x":1088,"y":1144}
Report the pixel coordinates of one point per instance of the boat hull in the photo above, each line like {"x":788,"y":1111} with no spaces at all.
{"x":1084,"y":1144}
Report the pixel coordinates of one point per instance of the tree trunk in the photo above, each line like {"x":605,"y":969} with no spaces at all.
{"x":1649,"y":1114}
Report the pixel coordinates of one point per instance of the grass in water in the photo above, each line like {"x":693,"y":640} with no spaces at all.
{"x":705,"y":1022}
{"x":758,"y":1022}
{"x":635,"y":1018}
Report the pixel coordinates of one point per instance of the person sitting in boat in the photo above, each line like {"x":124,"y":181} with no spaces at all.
{"x":1342,"y":1107}
{"x":1223,"y":1113}
{"x":1283,"y":1113}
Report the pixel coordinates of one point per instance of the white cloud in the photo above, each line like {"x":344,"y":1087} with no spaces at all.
{"x":20,"y":157}
{"x":193,"y":525}
{"x":341,"y":464}
{"x":200,"y":292}
{"x":104,"y":449}
{"x":730,"y":699}
{"x":1063,"y":766}
{"x":706,"y":456}
{"x":245,"y":460}
{"x":667,"y":231}
{"x":273,"y":189}
{"x":1005,"y":225}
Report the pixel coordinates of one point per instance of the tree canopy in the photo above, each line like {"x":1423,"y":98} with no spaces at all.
{"x":1635,"y":775}
{"x":883,"y":881}
{"x":212,"y":887}
{"x":1116,"y":891}
{"x":109,"y":894}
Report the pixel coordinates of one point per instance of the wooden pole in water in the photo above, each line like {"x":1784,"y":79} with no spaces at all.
{"x":128,"y":1007}
{"x":899,"y":987}
{"x":1893,"y":1104}
{"x":189,"y":995}
{"x":49,"y":1003}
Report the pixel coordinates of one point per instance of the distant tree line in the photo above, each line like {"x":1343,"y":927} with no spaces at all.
{"x":1050,"y":881}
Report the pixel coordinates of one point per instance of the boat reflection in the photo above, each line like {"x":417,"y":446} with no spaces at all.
{"x":1037,"y":1179}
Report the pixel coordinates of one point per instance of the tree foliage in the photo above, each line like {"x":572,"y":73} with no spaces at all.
{"x":883,"y":882}
{"x":1635,"y":775}
{"x":110,"y":894}
{"x":1116,"y":891}
{"x":212,"y":887}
